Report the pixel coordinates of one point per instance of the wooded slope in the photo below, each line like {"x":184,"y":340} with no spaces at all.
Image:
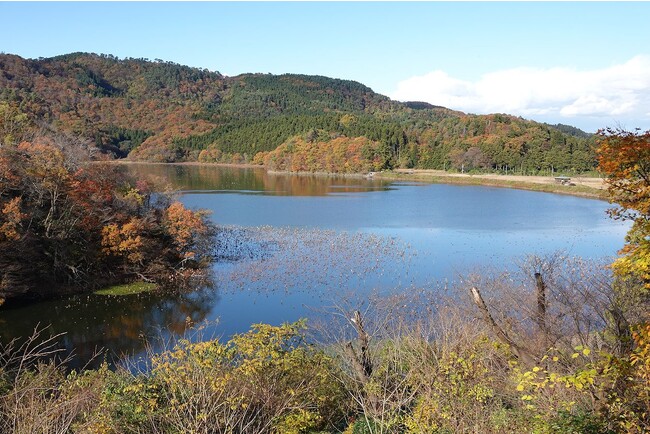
{"x":161,"y":111}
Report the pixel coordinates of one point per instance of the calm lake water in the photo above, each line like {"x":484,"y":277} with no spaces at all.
{"x":293,"y":245}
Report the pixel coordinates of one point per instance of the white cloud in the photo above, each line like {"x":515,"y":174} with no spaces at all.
{"x":618,"y":92}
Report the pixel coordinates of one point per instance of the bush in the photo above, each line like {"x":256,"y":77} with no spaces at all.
{"x":67,"y":226}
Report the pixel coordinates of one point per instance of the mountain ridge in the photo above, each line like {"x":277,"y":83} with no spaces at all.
{"x":163,"y":111}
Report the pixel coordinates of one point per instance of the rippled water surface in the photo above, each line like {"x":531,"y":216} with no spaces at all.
{"x":293,"y":245}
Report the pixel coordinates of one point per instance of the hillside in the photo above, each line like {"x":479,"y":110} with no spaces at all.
{"x":161,"y":111}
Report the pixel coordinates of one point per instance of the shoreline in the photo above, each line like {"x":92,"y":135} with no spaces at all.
{"x":587,"y":187}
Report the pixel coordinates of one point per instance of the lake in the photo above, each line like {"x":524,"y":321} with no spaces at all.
{"x":294,"y":246}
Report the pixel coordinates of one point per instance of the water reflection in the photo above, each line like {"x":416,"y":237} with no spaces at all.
{"x":252,"y":180}
{"x":291,"y":245}
{"x":320,"y":262}
{"x":121,"y":325}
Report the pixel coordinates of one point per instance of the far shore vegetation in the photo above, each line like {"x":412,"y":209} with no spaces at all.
{"x":559,"y":345}
{"x":163,"y":112}
{"x":587,"y":185}
{"x":582,"y":186}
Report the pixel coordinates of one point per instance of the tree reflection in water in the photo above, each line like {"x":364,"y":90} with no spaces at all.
{"x":124,"y":324}
{"x":254,"y":180}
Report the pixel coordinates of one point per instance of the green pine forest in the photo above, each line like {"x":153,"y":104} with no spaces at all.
{"x":159,"y":111}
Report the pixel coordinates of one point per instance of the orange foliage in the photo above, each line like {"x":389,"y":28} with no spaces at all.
{"x":259,"y":158}
{"x":184,"y":225}
{"x":9,"y":178}
{"x":340,"y":154}
{"x":625,"y":158}
{"x":125,"y":240}
{"x":76,"y":107}
{"x":87,"y":225}
{"x":93,"y":187}
{"x":10,"y":219}
{"x":210,"y":155}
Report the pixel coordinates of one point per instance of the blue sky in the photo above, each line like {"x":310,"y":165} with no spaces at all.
{"x":585,"y":64}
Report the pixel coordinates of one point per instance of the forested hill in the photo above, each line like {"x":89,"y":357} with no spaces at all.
{"x":161,"y":111}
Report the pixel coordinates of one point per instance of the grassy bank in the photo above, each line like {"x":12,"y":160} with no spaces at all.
{"x":127,"y":289}
{"x":386,"y":371}
{"x":584,"y":187}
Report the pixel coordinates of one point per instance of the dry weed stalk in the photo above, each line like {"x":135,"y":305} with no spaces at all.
{"x":552,"y":302}
{"x":35,"y":399}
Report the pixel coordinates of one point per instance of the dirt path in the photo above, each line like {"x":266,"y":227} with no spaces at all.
{"x":597,"y":183}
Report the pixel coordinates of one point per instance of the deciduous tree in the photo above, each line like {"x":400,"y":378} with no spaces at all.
{"x":624,"y":156}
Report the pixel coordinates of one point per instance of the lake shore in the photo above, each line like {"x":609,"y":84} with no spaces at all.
{"x":589,"y":187}
{"x":583,"y":186}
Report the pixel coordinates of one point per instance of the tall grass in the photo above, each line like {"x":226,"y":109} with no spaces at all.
{"x":574,"y":361}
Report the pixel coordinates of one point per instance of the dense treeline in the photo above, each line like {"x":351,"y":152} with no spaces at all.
{"x":251,"y":136}
{"x":266,"y":95}
{"x":120,"y":141}
{"x":319,"y":152}
{"x":67,"y":225}
{"x":505,"y":143}
{"x":489,"y":143}
{"x":161,"y":111}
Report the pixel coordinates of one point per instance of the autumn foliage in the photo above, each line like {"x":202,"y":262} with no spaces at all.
{"x":164,"y":112}
{"x":66,"y":226}
{"x":624,"y":157}
{"x":328,"y":154}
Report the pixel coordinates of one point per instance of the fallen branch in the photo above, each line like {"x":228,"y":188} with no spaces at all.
{"x":518,"y":350}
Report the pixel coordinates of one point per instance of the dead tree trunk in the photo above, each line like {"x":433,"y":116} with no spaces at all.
{"x":519,"y":351}
{"x":540,"y":317}
{"x":360,"y":361}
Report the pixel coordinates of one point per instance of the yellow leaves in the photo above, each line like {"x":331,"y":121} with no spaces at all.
{"x":640,"y":357}
{"x":46,"y":163}
{"x":134,"y":195}
{"x":636,"y":261}
{"x":126,"y":240}
{"x":425,"y":417}
{"x":338,"y":154}
{"x":347,"y":120}
{"x":265,"y":372}
{"x":298,"y":421}
{"x":135,"y":387}
{"x":183,"y":224}
{"x":10,"y":220}
{"x":625,"y":158}
{"x":12,"y":124}
{"x":568,"y":379}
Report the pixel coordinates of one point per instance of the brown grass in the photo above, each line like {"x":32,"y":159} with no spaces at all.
{"x":590,"y":187}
